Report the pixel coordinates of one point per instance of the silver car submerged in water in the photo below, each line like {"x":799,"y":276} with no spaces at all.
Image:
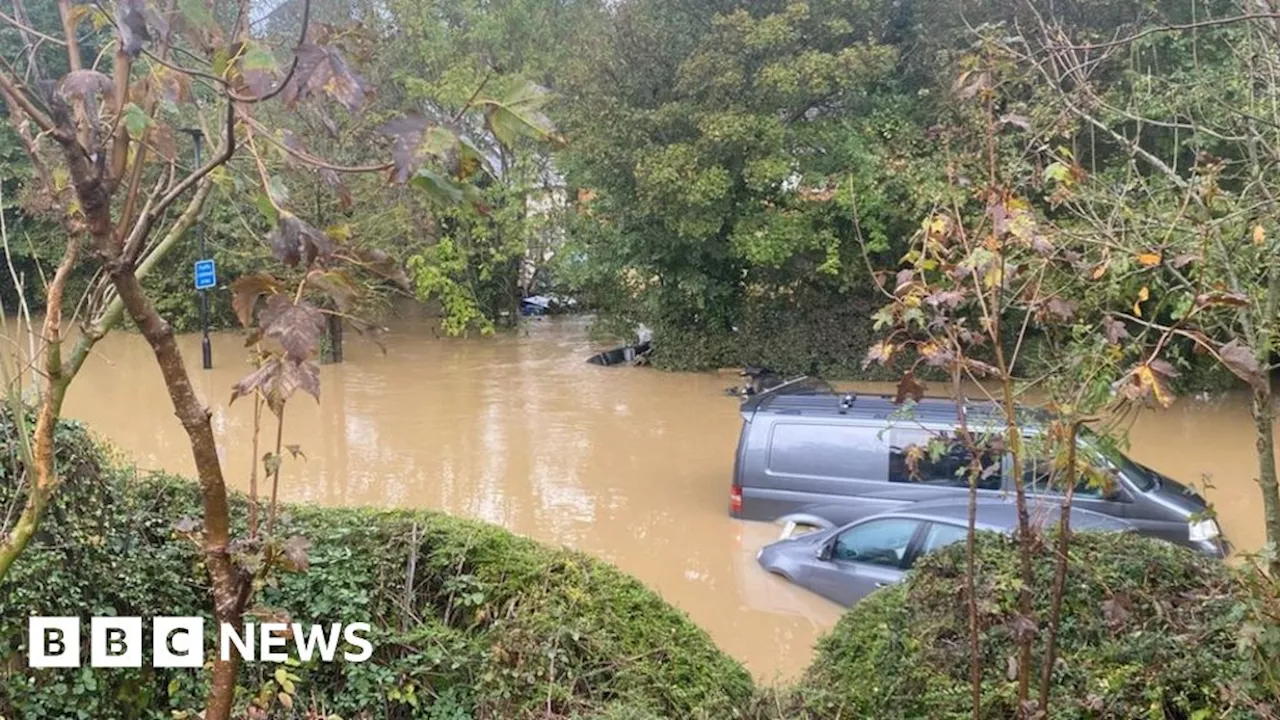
{"x":847,"y":563}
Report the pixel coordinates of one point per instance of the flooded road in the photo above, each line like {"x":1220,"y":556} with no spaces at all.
{"x":630,"y":465}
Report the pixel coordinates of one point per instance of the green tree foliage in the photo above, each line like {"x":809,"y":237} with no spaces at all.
{"x":723,"y":142}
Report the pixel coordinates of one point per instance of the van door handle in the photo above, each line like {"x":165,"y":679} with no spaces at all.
{"x":882,"y":584}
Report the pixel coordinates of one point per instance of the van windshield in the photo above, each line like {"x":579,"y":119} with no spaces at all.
{"x":1106,"y":452}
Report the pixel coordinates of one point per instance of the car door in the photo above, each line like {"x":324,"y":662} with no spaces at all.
{"x":863,"y":557}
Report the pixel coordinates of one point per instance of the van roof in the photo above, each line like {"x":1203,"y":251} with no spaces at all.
{"x":815,"y":397}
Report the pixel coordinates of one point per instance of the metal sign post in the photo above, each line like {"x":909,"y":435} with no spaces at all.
{"x":206,"y":273}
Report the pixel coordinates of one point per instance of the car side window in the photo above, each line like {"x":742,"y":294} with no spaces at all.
{"x":940,"y":535}
{"x":876,"y":542}
{"x":950,"y":468}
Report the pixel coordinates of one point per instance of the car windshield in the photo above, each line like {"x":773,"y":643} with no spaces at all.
{"x":1106,"y":451}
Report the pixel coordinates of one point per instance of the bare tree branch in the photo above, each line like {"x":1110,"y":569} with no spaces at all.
{"x":28,"y":29}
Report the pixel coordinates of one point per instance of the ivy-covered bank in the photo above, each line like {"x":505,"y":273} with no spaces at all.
{"x":474,"y":623}
{"x":469,"y":620}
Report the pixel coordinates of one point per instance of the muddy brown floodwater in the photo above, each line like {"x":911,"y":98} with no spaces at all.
{"x":630,"y":465}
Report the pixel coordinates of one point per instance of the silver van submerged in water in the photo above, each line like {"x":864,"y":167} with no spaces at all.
{"x":811,"y":456}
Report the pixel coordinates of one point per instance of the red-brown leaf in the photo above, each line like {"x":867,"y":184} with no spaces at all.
{"x":245,"y":292}
{"x":85,"y":84}
{"x":945,"y":298}
{"x":278,"y":378}
{"x":1223,"y":297}
{"x":1241,"y":360}
{"x":338,"y":286}
{"x":294,"y":241}
{"x":903,"y":281}
{"x":297,"y":327}
{"x":908,"y":388}
{"x":1060,"y":309}
{"x":1114,"y":329}
{"x":259,"y":379}
{"x":879,"y":353}
{"x":294,"y":556}
{"x":323,"y":69}
{"x":1163,"y":368}
{"x":131,"y":24}
{"x":407,"y":132}
{"x":385,"y":267}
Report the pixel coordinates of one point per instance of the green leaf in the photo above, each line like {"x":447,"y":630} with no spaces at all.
{"x":277,"y":190}
{"x":437,"y":187}
{"x":135,"y":120}
{"x":519,"y":114}
{"x":282,"y":678}
{"x":196,"y":13}
{"x":220,"y":62}
{"x":438,"y":142}
{"x":266,"y":208}
{"x":256,"y":57}
{"x":271,"y":463}
{"x":472,"y":159}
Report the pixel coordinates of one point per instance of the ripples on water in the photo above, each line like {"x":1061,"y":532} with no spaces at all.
{"x":628,"y":464}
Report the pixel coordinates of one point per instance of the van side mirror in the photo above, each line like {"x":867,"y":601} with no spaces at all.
{"x":1116,"y":493}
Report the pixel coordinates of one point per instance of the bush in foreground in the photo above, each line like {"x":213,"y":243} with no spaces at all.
{"x":470,"y":621}
{"x":1149,"y":630}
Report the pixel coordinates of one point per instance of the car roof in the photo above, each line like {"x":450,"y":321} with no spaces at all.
{"x":1001,"y":514}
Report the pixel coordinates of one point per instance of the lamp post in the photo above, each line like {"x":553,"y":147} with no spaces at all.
{"x":206,"y":349}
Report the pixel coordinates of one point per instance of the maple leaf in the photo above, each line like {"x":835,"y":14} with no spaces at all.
{"x":294,"y":241}
{"x":85,"y":84}
{"x":323,"y":69}
{"x":297,"y":327}
{"x":1114,"y":330}
{"x":295,"y":554}
{"x":245,"y":292}
{"x":880,"y":352}
{"x":908,"y":388}
{"x":131,"y":24}
{"x":1241,"y":360}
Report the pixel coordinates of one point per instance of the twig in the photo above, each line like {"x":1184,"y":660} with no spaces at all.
{"x":33,"y":31}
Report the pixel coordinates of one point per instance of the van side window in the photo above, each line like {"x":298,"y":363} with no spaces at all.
{"x":951,"y":469}
{"x":828,"y":451}
{"x":1041,"y":478}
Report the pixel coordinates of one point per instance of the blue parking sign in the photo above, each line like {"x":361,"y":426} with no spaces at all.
{"x":206,"y":274}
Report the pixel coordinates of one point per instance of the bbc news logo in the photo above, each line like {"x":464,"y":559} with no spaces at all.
{"x":178,"y":642}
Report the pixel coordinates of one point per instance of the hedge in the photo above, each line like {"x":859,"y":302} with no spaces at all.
{"x":1149,"y":630}
{"x":492,"y":625}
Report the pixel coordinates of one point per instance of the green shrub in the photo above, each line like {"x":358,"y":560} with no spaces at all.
{"x":1148,"y":630}
{"x":487,"y":624}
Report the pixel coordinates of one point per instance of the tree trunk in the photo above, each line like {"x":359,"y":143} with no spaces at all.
{"x":228,"y":595}
{"x":1059,"y":578}
{"x":43,"y":461}
{"x":1264,"y":438}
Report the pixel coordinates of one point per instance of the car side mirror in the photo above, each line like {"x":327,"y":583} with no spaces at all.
{"x":824,"y":551}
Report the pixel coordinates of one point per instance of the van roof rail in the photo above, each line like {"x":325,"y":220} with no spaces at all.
{"x":802,"y":385}
{"x":813,"y":400}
